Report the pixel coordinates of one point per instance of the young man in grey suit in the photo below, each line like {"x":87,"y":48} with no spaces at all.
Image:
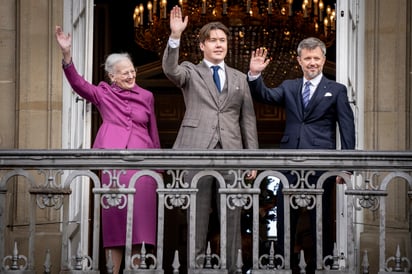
{"x":314,"y":106}
{"x":219,"y":115}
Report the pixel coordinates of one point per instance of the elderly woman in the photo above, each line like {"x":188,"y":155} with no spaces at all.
{"x":129,"y":122}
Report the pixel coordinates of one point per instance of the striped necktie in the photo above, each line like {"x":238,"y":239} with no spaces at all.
{"x":306,"y":94}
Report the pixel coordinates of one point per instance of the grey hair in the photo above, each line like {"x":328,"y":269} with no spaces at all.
{"x":311,"y":43}
{"x":113,"y":59}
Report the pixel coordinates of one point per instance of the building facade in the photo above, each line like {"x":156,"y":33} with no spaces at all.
{"x":31,"y":100}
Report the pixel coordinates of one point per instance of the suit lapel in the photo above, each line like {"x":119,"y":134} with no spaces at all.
{"x":297,"y":88}
{"x":318,"y":95}
{"x":231,"y":82}
{"x":206,"y":75}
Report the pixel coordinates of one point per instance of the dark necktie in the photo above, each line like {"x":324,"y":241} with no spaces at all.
{"x":306,"y":94}
{"x":216,"y":78}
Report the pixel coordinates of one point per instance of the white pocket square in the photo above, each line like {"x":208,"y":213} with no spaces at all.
{"x":328,"y":94}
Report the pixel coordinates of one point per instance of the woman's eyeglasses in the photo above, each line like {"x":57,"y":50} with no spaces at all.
{"x":125,"y":74}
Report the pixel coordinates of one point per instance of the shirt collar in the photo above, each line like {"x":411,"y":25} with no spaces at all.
{"x":315,"y":81}
{"x":209,"y":64}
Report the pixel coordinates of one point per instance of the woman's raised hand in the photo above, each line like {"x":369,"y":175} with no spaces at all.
{"x":64,"y":40}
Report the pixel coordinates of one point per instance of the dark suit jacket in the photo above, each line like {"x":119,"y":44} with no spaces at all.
{"x":315,"y":126}
{"x":211,"y":118}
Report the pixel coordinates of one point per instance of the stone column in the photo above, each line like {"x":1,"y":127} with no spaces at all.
{"x":8,"y":85}
{"x":39,"y":70}
{"x":30,"y":113}
{"x":387,"y":116}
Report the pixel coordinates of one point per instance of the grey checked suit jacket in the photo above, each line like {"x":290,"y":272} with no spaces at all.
{"x":211,"y":118}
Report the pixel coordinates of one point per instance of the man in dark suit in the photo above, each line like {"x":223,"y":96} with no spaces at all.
{"x":314,"y":106}
{"x":219,"y":115}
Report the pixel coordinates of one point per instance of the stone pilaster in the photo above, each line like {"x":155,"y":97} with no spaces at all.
{"x":30,"y":112}
{"x":387,"y":116}
{"x":8,"y":84}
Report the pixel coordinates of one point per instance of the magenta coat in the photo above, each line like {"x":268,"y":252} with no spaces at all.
{"x":129,"y":122}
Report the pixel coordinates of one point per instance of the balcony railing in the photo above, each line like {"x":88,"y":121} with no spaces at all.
{"x":52,"y":175}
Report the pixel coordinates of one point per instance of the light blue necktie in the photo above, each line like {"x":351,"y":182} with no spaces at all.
{"x":306,"y":94}
{"x":216,"y":78}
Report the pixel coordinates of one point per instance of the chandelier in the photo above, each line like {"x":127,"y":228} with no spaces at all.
{"x":278,"y":25}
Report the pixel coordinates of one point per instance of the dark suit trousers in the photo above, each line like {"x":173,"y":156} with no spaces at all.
{"x":304,"y":237}
{"x":204,"y":205}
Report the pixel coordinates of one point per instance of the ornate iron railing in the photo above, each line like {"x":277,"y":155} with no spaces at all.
{"x":60,"y":169}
